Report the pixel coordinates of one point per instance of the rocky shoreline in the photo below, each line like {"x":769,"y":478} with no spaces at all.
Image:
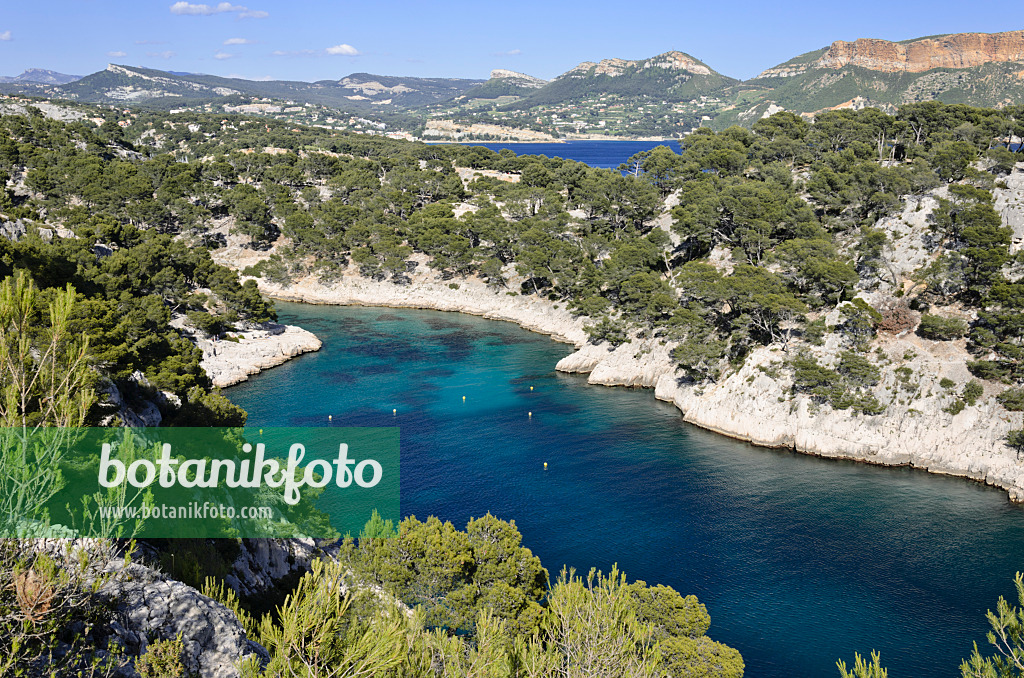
{"x":230,"y":361}
{"x":753,"y":404}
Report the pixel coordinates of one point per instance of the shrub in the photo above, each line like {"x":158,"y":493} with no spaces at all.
{"x":162,"y":660}
{"x":606,"y":329}
{"x":858,"y":370}
{"x":989,"y":370}
{"x":814,"y":332}
{"x":937,"y":328}
{"x":897,"y":317}
{"x":955,"y":407}
{"x":947,"y":383}
{"x":1015,"y":439}
{"x":1012,"y":399}
{"x":972,"y":391}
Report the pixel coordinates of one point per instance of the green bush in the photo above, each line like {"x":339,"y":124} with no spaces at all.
{"x":955,"y":407}
{"x":606,"y":329}
{"x":162,"y":660}
{"x":937,"y":328}
{"x":1012,"y":399}
{"x":972,"y":391}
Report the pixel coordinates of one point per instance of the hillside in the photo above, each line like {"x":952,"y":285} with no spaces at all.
{"x":356,"y":92}
{"x":503,"y":83}
{"x":673,"y":76}
{"x":978,"y":69}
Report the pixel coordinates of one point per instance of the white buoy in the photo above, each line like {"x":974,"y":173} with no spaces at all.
{"x":529,"y":414}
{"x":394,"y":413}
{"x":531,"y":388}
{"x":463,"y":398}
{"x":330,"y":417}
{"x":545,"y":466}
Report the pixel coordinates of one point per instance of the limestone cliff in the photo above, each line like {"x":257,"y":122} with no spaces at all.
{"x":978,"y":69}
{"x":613,"y":67}
{"x":959,"y":50}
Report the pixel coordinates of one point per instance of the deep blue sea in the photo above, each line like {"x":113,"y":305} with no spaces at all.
{"x":800,"y":560}
{"x":600,"y":153}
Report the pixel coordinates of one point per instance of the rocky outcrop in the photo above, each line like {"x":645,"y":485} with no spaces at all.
{"x":753,"y":406}
{"x":261,"y":563}
{"x":1010,"y":205}
{"x":521,"y":79}
{"x":148,"y":607}
{"x":232,"y":361}
{"x":614,"y":67}
{"x":960,"y":50}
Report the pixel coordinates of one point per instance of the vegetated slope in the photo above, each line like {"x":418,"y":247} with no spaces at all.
{"x":129,"y":224}
{"x":672,"y":76}
{"x":979,"y":69}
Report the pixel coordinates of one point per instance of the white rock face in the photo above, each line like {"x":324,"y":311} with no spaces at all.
{"x":752,"y":406}
{"x":261,"y":562}
{"x":1010,"y":205}
{"x":469,"y":296}
{"x":230,"y":362}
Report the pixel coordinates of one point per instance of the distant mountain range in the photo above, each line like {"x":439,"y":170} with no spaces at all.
{"x":40,"y":76}
{"x":983,"y":69}
{"x":359,"y":91}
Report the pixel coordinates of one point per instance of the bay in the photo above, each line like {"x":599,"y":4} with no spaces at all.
{"x":596,"y":153}
{"x":800,"y":561}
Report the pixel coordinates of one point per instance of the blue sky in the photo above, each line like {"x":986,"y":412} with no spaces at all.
{"x":328,"y":39}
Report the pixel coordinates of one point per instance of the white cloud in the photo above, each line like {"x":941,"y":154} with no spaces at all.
{"x":193,"y":9}
{"x":223,"y":55}
{"x":117,"y":53}
{"x":5,"y":36}
{"x":239,"y":41}
{"x":511,"y":52}
{"x":344,"y":50}
{"x":168,"y":54}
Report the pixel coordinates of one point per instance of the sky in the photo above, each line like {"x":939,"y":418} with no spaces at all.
{"x":329,"y":39}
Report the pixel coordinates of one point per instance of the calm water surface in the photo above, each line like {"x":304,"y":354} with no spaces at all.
{"x":607,"y":154}
{"x":799,"y":560}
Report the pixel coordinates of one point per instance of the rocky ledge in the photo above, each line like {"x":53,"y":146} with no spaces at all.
{"x":230,"y":361}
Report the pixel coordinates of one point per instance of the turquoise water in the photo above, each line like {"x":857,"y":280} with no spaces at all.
{"x":601,"y":153}
{"x":799,"y":560}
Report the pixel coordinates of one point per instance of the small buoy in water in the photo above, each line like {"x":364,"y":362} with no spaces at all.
{"x":545,"y":466}
{"x":261,"y":431}
{"x":463,"y":398}
{"x":394,"y":413}
{"x":529,"y":414}
{"x":330,"y":417}
{"x":531,"y":388}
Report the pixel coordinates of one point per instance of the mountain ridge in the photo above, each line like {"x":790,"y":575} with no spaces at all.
{"x":669,"y":93}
